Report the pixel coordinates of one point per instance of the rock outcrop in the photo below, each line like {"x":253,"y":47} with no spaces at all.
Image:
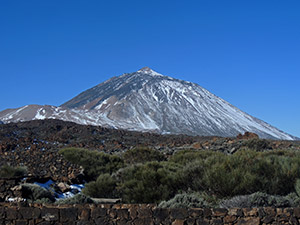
{"x":247,"y":135}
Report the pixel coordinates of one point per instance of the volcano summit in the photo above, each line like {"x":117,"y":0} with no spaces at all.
{"x":148,"y":101}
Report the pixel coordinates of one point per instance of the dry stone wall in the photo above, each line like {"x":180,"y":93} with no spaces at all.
{"x":6,"y":186}
{"x":141,"y":215}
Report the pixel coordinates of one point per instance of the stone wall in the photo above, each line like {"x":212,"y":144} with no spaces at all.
{"x":6,"y":186}
{"x":141,"y":215}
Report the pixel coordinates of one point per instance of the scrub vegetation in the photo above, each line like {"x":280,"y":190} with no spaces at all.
{"x":190,"y":178}
{"x":7,"y":171}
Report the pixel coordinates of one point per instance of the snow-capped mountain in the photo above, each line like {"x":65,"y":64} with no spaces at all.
{"x":148,"y":101}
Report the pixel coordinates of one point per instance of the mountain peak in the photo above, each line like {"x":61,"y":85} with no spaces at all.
{"x":147,"y":70}
{"x":148,"y":101}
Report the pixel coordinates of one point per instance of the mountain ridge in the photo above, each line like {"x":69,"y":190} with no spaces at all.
{"x":149,"y":101}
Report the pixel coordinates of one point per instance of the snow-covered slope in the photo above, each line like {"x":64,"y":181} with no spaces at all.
{"x":148,"y":101}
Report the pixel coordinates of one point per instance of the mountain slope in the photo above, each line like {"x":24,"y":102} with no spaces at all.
{"x":148,"y":101}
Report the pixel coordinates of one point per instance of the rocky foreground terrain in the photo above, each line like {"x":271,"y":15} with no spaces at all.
{"x":35,"y":144}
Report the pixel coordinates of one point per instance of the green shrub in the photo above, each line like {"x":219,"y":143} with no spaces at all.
{"x":257,"y":199}
{"x":294,"y":198}
{"x":297,"y":187}
{"x":187,"y":156}
{"x":224,"y":181}
{"x":218,"y":174}
{"x":150,"y":182}
{"x":103,"y":187}
{"x":34,"y":192}
{"x":263,"y":200}
{"x":9,"y":171}
{"x":276,"y":174}
{"x":93,"y":162}
{"x":185,"y":200}
{"x":142,"y":154}
{"x":242,"y":173}
{"x":43,"y":201}
{"x":76,"y":199}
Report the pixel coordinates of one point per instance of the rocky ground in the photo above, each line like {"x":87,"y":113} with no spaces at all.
{"x":35,"y":144}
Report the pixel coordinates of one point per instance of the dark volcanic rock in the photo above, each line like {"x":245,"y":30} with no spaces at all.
{"x":35,"y":144}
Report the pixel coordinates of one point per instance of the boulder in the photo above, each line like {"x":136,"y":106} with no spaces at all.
{"x":247,"y":135}
{"x":63,"y":187}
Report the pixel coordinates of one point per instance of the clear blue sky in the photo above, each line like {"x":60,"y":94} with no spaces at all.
{"x":246,"y":52}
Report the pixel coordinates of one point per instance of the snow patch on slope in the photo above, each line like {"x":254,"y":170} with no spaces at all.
{"x":148,"y":101}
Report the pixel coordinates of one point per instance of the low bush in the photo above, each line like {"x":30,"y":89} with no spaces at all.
{"x":223,"y":180}
{"x":103,"y":187}
{"x":33,"y":193}
{"x":185,"y":200}
{"x":93,"y":162}
{"x":43,"y":201}
{"x":184,"y":157}
{"x":142,"y":154}
{"x":150,"y":182}
{"x":297,"y":187}
{"x":294,"y":198}
{"x":76,"y":199}
{"x":217,"y":174}
{"x":243,"y":173}
{"x":7,"y":171}
{"x":257,"y":199}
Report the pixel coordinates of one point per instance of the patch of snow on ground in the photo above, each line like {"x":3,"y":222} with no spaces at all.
{"x":75,"y":189}
{"x":45,"y":185}
{"x":39,"y":116}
